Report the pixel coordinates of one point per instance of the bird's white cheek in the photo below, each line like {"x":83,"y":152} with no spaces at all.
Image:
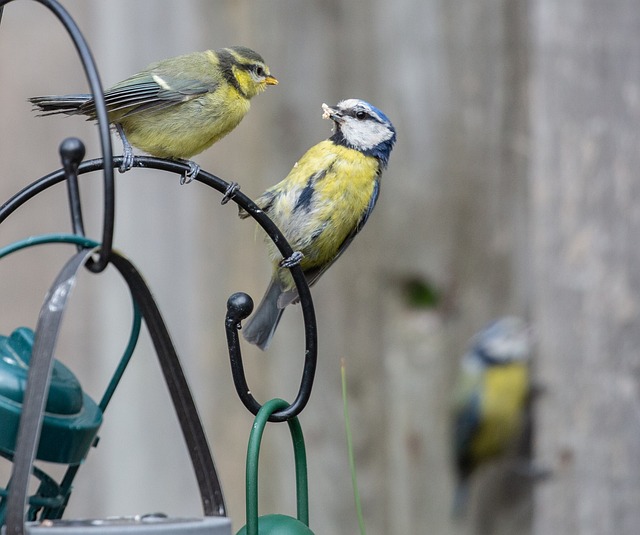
{"x":365,"y":135}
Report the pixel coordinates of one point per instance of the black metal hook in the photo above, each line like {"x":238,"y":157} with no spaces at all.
{"x":239,"y":307}
{"x":95,"y":85}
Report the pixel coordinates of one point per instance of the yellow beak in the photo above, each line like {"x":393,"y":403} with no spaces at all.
{"x":270,"y":80}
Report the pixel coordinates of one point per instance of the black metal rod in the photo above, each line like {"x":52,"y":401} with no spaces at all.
{"x":192,"y":430}
{"x":95,"y":85}
{"x":36,"y":390}
{"x":71,"y":153}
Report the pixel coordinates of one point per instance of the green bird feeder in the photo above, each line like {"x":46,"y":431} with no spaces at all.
{"x":71,"y":420}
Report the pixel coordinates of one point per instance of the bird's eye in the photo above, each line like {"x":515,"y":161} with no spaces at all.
{"x":259,"y":71}
{"x":360,"y":115}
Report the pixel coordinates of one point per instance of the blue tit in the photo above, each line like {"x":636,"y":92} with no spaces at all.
{"x":322,"y":204}
{"x":176,"y":107}
{"x":490,"y":398}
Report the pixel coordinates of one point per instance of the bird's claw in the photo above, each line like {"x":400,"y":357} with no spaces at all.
{"x":189,"y":175}
{"x":231,"y":190}
{"x":127,"y":161}
{"x":293,"y":260}
{"x":127,"y":150}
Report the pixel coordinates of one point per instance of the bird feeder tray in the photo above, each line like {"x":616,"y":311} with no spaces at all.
{"x":139,"y":525}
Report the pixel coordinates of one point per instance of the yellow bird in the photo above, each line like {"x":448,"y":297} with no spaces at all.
{"x":490,"y":398}
{"x":177,"y":107}
{"x":322,"y":204}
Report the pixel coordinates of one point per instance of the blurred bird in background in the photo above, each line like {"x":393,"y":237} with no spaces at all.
{"x":177,"y":107}
{"x":322,"y":204}
{"x":490,"y":398}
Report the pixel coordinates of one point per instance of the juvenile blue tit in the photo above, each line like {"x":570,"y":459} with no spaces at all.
{"x":177,"y":107}
{"x":490,"y":398}
{"x":322,"y":204}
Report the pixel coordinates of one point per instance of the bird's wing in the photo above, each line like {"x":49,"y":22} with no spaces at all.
{"x":149,"y":91}
{"x":466,"y":409}
{"x":467,"y":422}
{"x":264,"y":202}
{"x":314,"y":274}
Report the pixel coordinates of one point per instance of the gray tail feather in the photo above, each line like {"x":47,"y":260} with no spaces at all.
{"x":52,"y":104}
{"x":460,"y":500}
{"x":262,"y":325}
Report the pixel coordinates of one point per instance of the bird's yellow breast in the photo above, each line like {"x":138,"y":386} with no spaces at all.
{"x":187,"y":128}
{"x":339,"y":186}
{"x":504,"y":392}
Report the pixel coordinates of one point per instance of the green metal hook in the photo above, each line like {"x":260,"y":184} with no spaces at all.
{"x":276,"y":523}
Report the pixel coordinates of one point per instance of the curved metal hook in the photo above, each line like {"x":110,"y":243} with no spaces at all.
{"x":253,"y":454}
{"x":95,"y":85}
{"x":239,"y":307}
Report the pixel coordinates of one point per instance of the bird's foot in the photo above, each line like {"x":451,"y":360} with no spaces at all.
{"x":531,"y":470}
{"x":189,"y":175}
{"x":293,"y":260}
{"x":127,"y":161}
{"x":127,"y":150}
{"x":231,"y":190}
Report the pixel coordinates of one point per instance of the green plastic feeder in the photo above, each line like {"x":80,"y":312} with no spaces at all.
{"x":71,"y":420}
{"x":276,"y":524}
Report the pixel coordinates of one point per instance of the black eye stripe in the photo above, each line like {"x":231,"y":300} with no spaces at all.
{"x":251,"y":67}
{"x":368,"y":115}
{"x":365,"y":115}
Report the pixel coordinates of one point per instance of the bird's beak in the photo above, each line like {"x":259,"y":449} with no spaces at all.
{"x":270,"y":80}
{"x":331,"y":113}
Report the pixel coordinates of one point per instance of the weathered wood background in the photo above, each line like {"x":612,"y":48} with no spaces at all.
{"x":512,"y":189}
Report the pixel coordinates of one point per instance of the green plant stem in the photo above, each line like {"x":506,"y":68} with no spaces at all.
{"x":352,"y":462}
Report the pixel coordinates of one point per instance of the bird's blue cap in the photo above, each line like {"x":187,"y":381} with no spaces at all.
{"x":379,"y":112}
